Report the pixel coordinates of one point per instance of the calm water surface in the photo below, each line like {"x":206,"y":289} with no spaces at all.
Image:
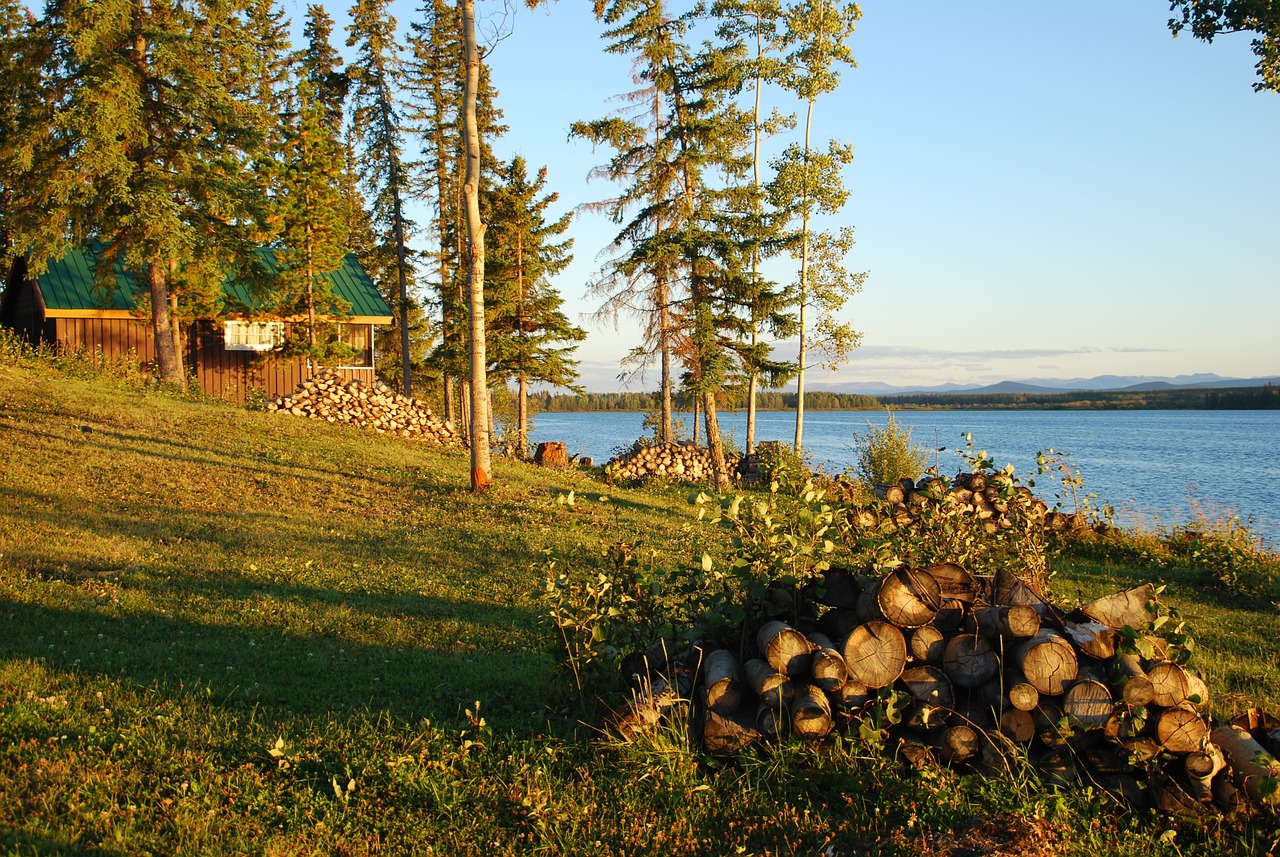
{"x":1154,"y":467}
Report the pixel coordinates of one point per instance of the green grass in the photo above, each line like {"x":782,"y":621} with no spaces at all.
{"x":227,"y":632}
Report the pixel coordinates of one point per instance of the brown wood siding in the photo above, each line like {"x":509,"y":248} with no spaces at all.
{"x":113,"y":338}
{"x":235,"y":375}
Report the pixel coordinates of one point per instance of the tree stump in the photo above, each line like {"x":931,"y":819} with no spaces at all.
{"x":551,"y":454}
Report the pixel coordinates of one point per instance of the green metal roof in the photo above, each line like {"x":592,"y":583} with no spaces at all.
{"x":69,"y":284}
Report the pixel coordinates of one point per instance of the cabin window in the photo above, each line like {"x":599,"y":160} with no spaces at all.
{"x":359,"y":337}
{"x":253,"y":335}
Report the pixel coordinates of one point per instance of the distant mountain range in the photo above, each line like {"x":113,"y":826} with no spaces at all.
{"x":1135,"y":383}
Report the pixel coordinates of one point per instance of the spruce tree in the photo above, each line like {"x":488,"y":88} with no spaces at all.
{"x":314,"y":220}
{"x":146,"y":145}
{"x":386,"y":173}
{"x":321,"y":65}
{"x":530,"y":338}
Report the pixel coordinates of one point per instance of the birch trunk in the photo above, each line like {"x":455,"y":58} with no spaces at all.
{"x":481,"y":472}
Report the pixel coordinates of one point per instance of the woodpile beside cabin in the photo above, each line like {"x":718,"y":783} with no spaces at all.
{"x":229,"y":356}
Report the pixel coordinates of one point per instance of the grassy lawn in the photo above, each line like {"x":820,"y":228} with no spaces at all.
{"x":231,"y":632}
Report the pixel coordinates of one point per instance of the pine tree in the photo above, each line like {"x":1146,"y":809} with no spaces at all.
{"x":21,"y":76}
{"x":375,"y":82}
{"x":530,"y":338}
{"x":146,"y":146}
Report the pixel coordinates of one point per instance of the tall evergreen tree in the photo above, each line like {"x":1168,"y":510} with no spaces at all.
{"x":755,"y":23}
{"x":321,"y":65}
{"x":147,"y":143}
{"x":21,"y":73}
{"x":376,"y":80}
{"x":701,"y":136}
{"x":530,"y":338}
{"x":314,"y":234}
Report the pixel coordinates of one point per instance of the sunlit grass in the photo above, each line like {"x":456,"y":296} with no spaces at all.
{"x":228,"y":632}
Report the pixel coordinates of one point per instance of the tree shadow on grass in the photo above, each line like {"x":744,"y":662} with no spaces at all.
{"x":294,"y":673}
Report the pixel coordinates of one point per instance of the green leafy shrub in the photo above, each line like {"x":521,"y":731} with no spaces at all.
{"x":887,"y":454}
{"x":780,"y":463}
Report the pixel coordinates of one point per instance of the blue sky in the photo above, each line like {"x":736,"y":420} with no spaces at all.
{"x":1039,"y":191}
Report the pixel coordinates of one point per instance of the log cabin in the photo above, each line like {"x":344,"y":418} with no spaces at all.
{"x":230,"y":356}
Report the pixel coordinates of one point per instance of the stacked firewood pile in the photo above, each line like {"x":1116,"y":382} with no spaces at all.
{"x":993,"y":499}
{"x":941,"y":667}
{"x":331,"y":397}
{"x":665,"y":461}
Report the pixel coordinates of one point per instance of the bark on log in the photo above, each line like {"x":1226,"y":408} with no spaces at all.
{"x":1050,"y":727}
{"x":1255,"y":770}
{"x":784,"y":648}
{"x":890,"y":493}
{"x":827,"y":665}
{"x":1201,"y":767}
{"x":969,"y":660}
{"x":722,"y":679}
{"x":810,"y":713}
{"x":1128,"y":608}
{"x":1048,"y":661}
{"x":645,"y":710}
{"x":772,"y":688}
{"x":876,"y":653}
{"x":852,"y":696}
{"x":1092,"y":638}
{"x":839,"y":588}
{"x":1135,"y":685}
{"x":1008,"y":621}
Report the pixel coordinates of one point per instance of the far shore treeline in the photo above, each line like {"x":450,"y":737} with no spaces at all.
{"x":1266,"y":397}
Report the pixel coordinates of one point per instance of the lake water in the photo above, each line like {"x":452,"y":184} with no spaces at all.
{"x":1154,"y":467}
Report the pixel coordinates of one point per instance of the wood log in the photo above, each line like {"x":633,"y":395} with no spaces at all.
{"x":1088,"y":704}
{"x":1123,"y":609}
{"x":1256,"y":771}
{"x":955,"y":582}
{"x":1008,"y":621}
{"x":1181,"y":729}
{"x":1048,"y":661}
{"x":1197,"y":691}
{"x":852,"y":696}
{"x":838,"y":623}
{"x":930,"y":685}
{"x":950,"y":616}
{"x":1169,"y":684}
{"x":772,"y":688}
{"x":1057,"y":767}
{"x":969,"y":660}
{"x":1092,"y":638}
{"x":958,"y":743}
{"x":1171,"y":798}
{"x":1228,"y":797}
{"x":908,"y":597}
{"x":645,"y":710}
{"x":915,"y":752}
{"x":810,"y":713}
{"x":772,"y":722}
{"x":839,"y":588}
{"x":722,"y":681}
{"x":926,"y":645}
{"x":1051,"y":727}
{"x":1009,"y":589}
{"x":890,"y":493}
{"x":1135,"y":685}
{"x":1009,"y":689}
{"x":784,"y":648}
{"x":826,"y":665}
{"x":875,"y":653}
{"x":727,"y":734}
{"x":1201,"y":767}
